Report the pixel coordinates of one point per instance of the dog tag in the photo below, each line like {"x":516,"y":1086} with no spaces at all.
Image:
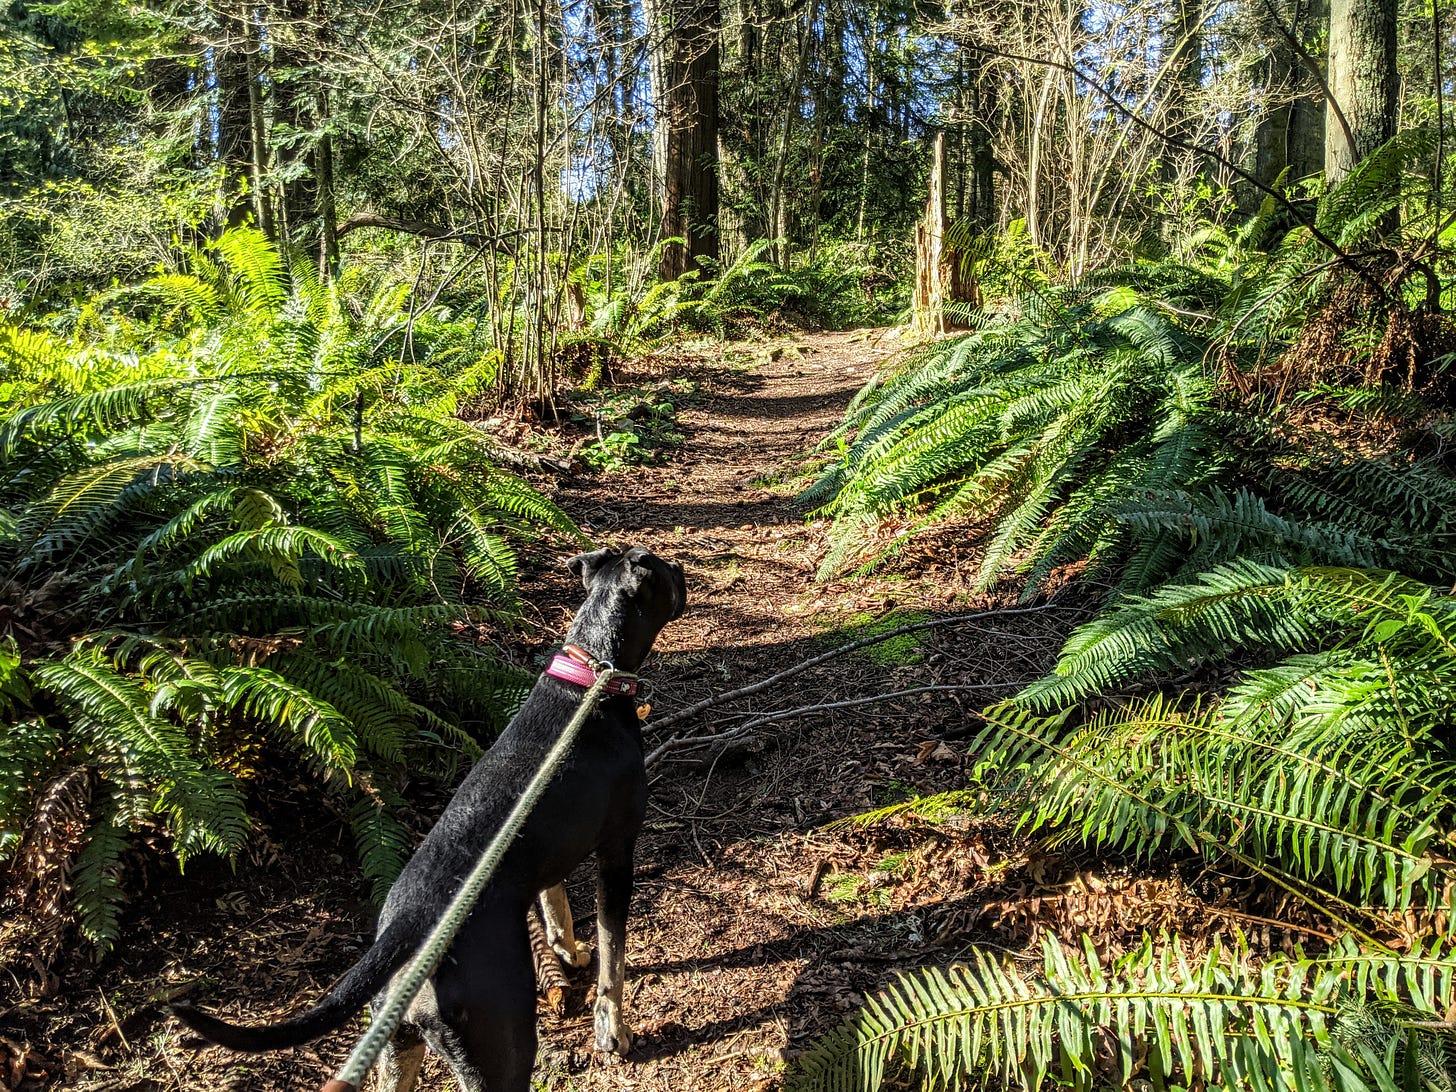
{"x":644,"y":709}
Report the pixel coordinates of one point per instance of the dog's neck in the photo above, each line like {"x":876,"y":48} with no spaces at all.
{"x":598,"y":630}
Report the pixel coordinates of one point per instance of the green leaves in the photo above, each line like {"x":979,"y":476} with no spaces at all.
{"x":264,"y":538}
{"x":1224,"y":1019}
{"x":1326,"y":770}
{"x":1034,"y":432}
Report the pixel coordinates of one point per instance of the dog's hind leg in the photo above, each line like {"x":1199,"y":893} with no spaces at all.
{"x":485,"y":990}
{"x":614,"y":894}
{"x":560,"y":932}
{"x":398,"y":1068}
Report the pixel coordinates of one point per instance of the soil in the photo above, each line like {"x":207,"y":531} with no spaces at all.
{"x":758,"y":921}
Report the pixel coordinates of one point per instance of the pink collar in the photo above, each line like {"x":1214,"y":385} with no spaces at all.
{"x":567,"y":669}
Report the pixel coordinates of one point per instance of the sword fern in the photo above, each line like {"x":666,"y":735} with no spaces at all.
{"x":263,"y":537}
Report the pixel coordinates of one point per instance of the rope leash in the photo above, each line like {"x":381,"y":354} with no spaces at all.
{"x":386,"y":1021}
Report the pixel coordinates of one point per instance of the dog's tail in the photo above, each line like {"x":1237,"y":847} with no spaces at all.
{"x":350,"y":994}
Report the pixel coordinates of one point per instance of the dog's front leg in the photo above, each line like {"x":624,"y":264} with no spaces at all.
{"x":560,"y":932}
{"x":614,"y":893}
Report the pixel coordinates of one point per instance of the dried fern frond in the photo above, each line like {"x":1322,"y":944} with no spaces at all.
{"x":39,"y":874}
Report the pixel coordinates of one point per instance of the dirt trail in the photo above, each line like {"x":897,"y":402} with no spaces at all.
{"x":745,"y":547}
{"x":755,"y":930}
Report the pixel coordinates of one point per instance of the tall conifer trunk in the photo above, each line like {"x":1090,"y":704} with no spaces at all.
{"x":690,"y":177}
{"x":1362,"y":77}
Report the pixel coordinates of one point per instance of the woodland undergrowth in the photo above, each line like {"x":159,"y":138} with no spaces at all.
{"x":250,"y":515}
{"x":240,"y":516}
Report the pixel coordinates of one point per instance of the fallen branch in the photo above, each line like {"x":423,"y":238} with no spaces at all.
{"x":529,"y":460}
{"x":681,"y":743}
{"x":799,"y":668}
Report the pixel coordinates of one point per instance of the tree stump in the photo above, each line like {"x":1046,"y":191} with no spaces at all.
{"x":941,"y":277}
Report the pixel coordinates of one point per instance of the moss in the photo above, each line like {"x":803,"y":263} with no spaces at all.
{"x":905,"y":649}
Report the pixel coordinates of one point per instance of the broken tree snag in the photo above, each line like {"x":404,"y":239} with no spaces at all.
{"x":939,"y":276}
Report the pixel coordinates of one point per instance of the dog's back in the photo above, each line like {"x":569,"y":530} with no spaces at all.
{"x":595,"y":802}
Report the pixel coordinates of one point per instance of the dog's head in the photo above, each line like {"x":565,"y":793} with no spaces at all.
{"x":631,"y":595}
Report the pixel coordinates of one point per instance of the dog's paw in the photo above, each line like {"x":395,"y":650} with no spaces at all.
{"x":576,"y":954}
{"x":612,"y":1035}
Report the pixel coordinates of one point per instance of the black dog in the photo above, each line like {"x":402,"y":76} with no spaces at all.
{"x":478,"y":1011}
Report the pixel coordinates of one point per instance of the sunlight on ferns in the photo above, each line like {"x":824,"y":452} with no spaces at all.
{"x":247,"y":521}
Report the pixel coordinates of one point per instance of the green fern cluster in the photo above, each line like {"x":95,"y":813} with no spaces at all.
{"x":237,"y":514}
{"x":1118,"y":462}
{"x":1324,"y":767}
{"x":1275,"y":293}
{"x":715,"y":298}
{"x":1087,"y":422}
{"x":1291,"y":583}
{"x":1223,"y":1019}
{"x":1038,"y":425}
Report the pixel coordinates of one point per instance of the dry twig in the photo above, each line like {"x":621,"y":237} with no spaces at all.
{"x":814,"y":661}
{"x":684,"y":742}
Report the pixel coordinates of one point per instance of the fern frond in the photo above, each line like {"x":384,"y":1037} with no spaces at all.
{"x":1220,"y":1019}
{"x":383,"y":842}
{"x":258,"y":279}
{"x":1235,"y":605}
{"x":301,"y":718}
{"x":96,"y":884}
{"x":280,"y":547}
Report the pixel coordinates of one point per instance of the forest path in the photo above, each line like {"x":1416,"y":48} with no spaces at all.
{"x":746,"y":548}
{"x":754,"y":930}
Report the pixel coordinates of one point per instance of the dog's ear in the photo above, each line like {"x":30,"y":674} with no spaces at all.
{"x":586,"y":566}
{"x":638,"y":569}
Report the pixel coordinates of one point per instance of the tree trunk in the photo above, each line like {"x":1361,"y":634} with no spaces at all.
{"x":323,"y":158}
{"x":1362,"y":78}
{"x":828,"y":95}
{"x":656,"y":16}
{"x":289,"y":76}
{"x":871,"y":50}
{"x":234,"y":124}
{"x":1185,"y":70}
{"x":257,"y":129}
{"x":778,"y":201}
{"x":690,"y":184}
{"x":939,"y":274}
{"x":983,"y":208}
{"x":741,"y":208}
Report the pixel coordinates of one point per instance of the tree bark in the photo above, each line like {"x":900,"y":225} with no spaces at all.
{"x":871,"y":51}
{"x":657,"y":17}
{"x":234,"y":123}
{"x":1185,"y":68}
{"x":939,"y":274}
{"x":741,"y":205}
{"x":257,"y":129}
{"x":690,"y":185}
{"x":983,"y":209}
{"x":777,"y":199}
{"x":1362,"y":79}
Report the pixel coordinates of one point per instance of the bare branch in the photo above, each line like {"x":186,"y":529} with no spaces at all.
{"x":863,"y":642}
{"x":741,"y":730}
